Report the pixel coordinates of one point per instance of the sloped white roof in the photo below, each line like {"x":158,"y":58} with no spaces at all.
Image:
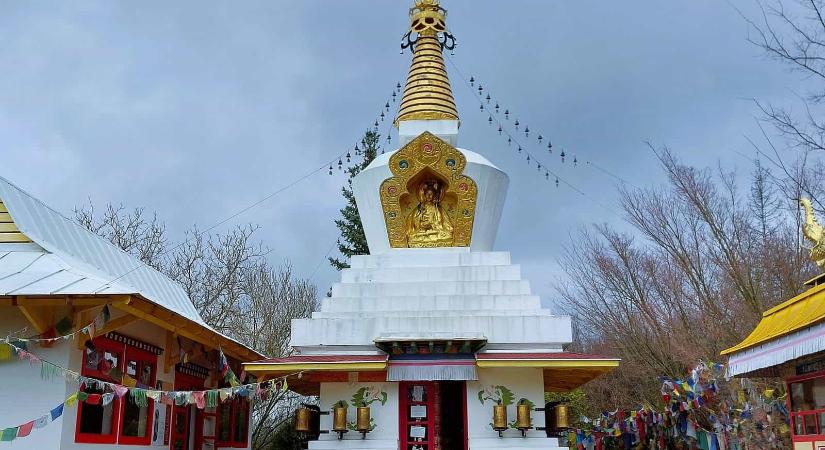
{"x":66,"y":258}
{"x":75,"y":254}
{"x":28,"y":269}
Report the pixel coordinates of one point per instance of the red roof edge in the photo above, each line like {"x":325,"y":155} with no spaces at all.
{"x":544,"y":355}
{"x":297,"y":359}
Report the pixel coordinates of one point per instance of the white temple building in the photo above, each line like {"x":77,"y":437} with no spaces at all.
{"x":433,"y":329}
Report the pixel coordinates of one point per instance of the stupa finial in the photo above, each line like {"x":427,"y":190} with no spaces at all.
{"x":427,"y":95}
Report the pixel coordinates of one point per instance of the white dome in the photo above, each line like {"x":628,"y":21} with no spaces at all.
{"x":492,"y":190}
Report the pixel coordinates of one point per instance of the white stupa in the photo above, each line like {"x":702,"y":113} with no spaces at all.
{"x":433,"y":328}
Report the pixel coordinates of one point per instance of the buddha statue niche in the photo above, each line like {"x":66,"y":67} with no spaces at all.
{"x":428,"y":224}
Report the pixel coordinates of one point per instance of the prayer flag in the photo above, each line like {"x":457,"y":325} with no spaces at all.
{"x":25,"y":429}
{"x":8,"y":434}
{"x":57,"y":411}
{"x":42,"y":421}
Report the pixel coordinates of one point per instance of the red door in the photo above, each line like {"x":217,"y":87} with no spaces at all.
{"x":180,"y":428}
{"x":417,"y":415}
{"x":182,"y":415}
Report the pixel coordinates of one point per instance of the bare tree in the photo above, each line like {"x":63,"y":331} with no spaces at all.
{"x":231,"y":283}
{"x":701,"y":263}
{"x":132,"y":231}
{"x":792,"y":32}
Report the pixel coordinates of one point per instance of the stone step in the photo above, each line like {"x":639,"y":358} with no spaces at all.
{"x":431,"y":303}
{"x":510,"y":287}
{"x":529,"y":329}
{"x":424,"y":313}
{"x":429,"y":257}
{"x":352,"y":441}
{"x":429,"y":274}
{"x":512,"y":440}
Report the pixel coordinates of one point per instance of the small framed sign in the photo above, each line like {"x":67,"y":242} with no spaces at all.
{"x":418,"y":432}
{"x":418,"y":411}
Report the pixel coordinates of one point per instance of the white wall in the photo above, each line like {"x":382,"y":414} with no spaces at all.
{"x":524,"y":382}
{"x":24,"y":396}
{"x":21,"y":386}
{"x":386,"y":416}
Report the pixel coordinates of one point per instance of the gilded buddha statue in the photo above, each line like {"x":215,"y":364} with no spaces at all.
{"x":428,"y":224}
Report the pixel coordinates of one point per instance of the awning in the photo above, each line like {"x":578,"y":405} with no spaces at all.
{"x":800,"y":312}
{"x":307,"y":372}
{"x":563,"y":371}
{"x":432,"y":368}
{"x":787,"y":331}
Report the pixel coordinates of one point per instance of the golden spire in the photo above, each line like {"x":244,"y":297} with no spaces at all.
{"x":427,"y":95}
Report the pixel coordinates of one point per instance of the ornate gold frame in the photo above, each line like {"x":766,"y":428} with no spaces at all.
{"x":427,"y":156}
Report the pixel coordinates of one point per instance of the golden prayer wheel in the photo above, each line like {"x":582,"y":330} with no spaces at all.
{"x":523,"y":417}
{"x":303,"y":420}
{"x":339,"y":419}
{"x":499,"y":417}
{"x":362,"y":423}
{"x":562,"y":417}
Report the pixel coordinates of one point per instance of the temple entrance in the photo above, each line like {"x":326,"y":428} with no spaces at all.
{"x":452,"y":420}
{"x":433,"y":415}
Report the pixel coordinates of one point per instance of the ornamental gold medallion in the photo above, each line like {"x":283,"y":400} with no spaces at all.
{"x":428,"y":202}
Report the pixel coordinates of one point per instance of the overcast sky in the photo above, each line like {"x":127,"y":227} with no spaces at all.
{"x":196,"y":109}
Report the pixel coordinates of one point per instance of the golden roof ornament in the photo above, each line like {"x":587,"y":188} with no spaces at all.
{"x":814,"y":232}
{"x":427,"y":95}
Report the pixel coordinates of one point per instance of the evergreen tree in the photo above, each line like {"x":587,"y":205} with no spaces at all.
{"x":353,"y":240}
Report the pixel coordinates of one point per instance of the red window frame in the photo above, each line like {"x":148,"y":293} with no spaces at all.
{"x":803,"y":415}
{"x":125,"y":352}
{"x":142,"y":357}
{"x":234,"y":406}
{"x":101,"y":343}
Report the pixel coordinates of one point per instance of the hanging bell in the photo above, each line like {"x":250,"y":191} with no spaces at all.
{"x":488,"y":98}
{"x":357,"y":150}
{"x":539,"y":167}
{"x":496,"y":107}
{"x":547,"y":176}
{"x":519,"y":149}
{"x":562,"y":156}
{"x":472,"y":80}
{"x":481,"y":106}
{"x":382,"y":116}
{"x":490,"y":120}
{"x":528,"y":160}
{"x":330,"y":169}
{"x":480,"y":89}
{"x":557,"y":181}
{"x":507,"y":114}
{"x":516,"y":124}
{"x":389,"y":138}
{"x":526,"y":131}
{"x":575,"y":161}
{"x":340,"y":164}
{"x":387,"y":106}
{"x":509,"y":140}
{"x":398,"y":85}
{"x":376,"y":124}
{"x":549,"y":146}
{"x":540,"y":138}
{"x":499,"y":130}
{"x":348,"y":157}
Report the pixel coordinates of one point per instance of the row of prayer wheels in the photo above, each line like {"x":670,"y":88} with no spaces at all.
{"x":306,"y":424}
{"x":559,"y":418}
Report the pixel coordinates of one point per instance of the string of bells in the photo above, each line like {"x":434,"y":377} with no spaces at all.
{"x":383,"y":115}
{"x":484,"y":98}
